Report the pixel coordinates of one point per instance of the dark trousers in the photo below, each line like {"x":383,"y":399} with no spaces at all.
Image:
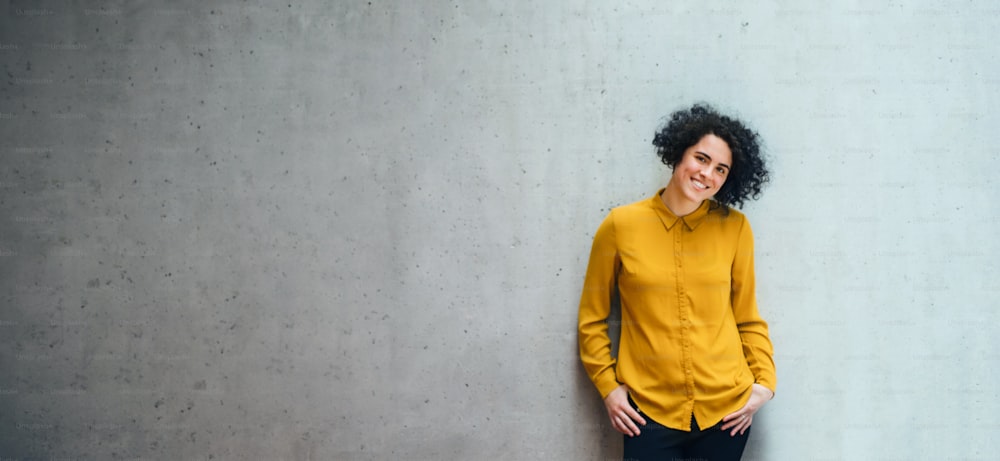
{"x":657,"y":442}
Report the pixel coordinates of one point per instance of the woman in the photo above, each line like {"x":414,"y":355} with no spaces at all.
{"x":694,"y":360}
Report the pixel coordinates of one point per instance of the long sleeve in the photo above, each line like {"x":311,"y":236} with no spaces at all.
{"x":692,"y":341}
{"x":595,"y":306}
{"x":753,"y":330}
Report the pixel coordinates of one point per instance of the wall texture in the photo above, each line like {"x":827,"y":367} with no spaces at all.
{"x":358,"y":230}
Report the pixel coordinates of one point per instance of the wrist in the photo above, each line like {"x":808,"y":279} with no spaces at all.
{"x":765,"y":390}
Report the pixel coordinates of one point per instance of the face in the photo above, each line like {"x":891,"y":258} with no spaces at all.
{"x":702,"y":170}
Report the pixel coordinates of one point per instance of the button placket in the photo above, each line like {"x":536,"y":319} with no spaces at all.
{"x":684,"y":312}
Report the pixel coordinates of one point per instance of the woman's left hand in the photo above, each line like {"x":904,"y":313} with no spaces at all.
{"x":739,"y":420}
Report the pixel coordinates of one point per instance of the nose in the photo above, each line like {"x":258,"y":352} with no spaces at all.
{"x":706,"y":171}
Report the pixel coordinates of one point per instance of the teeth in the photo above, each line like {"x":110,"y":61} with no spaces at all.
{"x":699,"y":184}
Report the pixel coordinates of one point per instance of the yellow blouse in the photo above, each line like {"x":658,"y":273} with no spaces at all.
{"x":692,"y":341}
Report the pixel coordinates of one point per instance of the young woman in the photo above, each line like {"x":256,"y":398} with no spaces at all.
{"x":694,"y":361}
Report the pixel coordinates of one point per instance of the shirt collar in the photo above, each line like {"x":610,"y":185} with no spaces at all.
{"x":668,"y":217}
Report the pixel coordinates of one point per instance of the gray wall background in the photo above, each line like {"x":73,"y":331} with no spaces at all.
{"x":358,"y":230}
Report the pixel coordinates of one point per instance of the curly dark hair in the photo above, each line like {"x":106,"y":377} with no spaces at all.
{"x":687,"y":126}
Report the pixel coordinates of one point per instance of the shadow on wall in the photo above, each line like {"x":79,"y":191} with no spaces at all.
{"x":610,"y":440}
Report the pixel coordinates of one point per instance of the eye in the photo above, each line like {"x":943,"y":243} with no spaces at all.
{"x":721,"y":170}
{"x":700,"y":158}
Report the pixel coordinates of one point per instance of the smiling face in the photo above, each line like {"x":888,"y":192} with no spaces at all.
{"x":699,"y":174}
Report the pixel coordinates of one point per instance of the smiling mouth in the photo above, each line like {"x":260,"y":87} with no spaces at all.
{"x":699,"y":184}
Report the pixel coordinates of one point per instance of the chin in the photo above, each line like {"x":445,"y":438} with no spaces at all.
{"x":700,"y":196}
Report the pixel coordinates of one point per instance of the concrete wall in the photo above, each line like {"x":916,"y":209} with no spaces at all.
{"x":358,"y":230}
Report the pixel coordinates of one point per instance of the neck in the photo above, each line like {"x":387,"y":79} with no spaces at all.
{"x":676,"y":203}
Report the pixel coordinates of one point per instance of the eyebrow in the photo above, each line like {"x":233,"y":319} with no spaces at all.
{"x":710,"y":158}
